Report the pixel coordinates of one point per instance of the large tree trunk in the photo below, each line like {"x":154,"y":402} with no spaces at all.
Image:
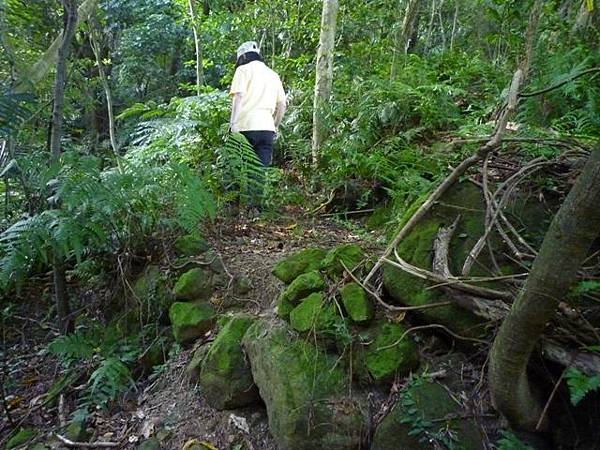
{"x":70,"y":8}
{"x":565,"y":247}
{"x":324,"y":73}
{"x":406,"y":34}
{"x":198,"y":45}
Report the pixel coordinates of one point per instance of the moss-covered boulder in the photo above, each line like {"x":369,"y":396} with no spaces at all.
{"x":356,"y":303}
{"x":76,"y":431}
{"x":314,"y":313}
{"x":150,"y":444}
{"x":300,"y":262}
{"x":190,"y":245}
{"x":152,"y":299}
{"x":195,"y":284}
{"x":301,"y":287}
{"x":225,"y":375}
{"x":426,"y":414}
{"x":20,"y":438}
{"x":304,"y":390}
{"x":417,"y":248}
{"x":192,"y":370}
{"x":191,"y":320}
{"x":387,"y":351}
{"x":349,"y":255}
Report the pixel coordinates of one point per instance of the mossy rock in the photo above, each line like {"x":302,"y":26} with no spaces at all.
{"x":194,"y":367}
{"x":150,"y":444}
{"x":20,"y":438}
{"x":225,"y":375}
{"x":300,"y":262}
{"x":191,"y":320}
{"x":356,"y":303}
{"x":350,"y":255}
{"x":314,"y":314}
{"x":424,"y":412}
{"x":155,"y":355}
{"x":304,"y":390}
{"x":190,"y":245}
{"x":388,"y":352}
{"x":195,"y":284}
{"x":301,"y":287}
{"x":417,"y":249}
{"x":151,"y":290}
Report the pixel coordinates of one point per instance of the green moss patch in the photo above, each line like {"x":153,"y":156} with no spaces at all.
{"x":191,"y":320}
{"x":350,"y":255}
{"x":300,"y":288}
{"x":313,"y":313}
{"x":21,"y":437}
{"x":225,"y":376}
{"x":195,"y":284}
{"x":357,"y":303}
{"x":391,"y":352}
{"x":190,"y":245}
{"x":298,"y":263}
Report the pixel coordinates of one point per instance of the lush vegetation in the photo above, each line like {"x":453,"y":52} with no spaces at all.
{"x":146,"y":156}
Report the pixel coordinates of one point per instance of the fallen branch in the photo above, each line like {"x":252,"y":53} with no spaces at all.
{"x":98,"y":444}
{"x":562,"y":83}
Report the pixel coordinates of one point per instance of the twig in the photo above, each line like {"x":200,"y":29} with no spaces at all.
{"x":433,"y":325}
{"x":99,"y":444}
{"x":547,"y":405}
{"x":562,"y":83}
{"x":360,"y":211}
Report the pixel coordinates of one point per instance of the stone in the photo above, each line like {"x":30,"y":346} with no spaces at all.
{"x":386,"y":355}
{"x":191,"y":320}
{"x":313,"y":313}
{"x":351,"y":255}
{"x":190,"y":245}
{"x":225,"y":375}
{"x":193,"y":368}
{"x":151,"y":291}
{"x":21,"y":437}
{"x":305,"y":391}
{"x":426,"y":415}
{"x":356,"y":303}
{"x":300,"y":262}
{"x":300,"y":288}
{"x":195,"y":284}
{"x":150,"y":444}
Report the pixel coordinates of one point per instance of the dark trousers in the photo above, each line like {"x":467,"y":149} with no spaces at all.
{"x":262,"y":142}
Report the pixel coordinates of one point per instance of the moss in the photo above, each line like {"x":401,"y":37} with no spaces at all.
{"x":313,"y":313}
{"x":194,"y":367}
{"x":284,"y":307}
{"x":195,"y":284}
{"x":76,"y":431}
{"x":298,"y":263}
{"x":21,"y":437}
{"x":225,"y":375}
{"x":426,"y":411}
{"x":380,"y":217}
{"x":356,"y":303}
{"x":150,"y":444}
{"x":388,"y":355}
{"x":351,"y":255}
{"x":303,"y":286}
{"x":190,"y":245}
{"x":191,"y":320}
{"x":151,"y":291}
{"x":304,"y":391}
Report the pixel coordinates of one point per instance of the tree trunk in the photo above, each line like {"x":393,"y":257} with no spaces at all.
{"x":94,"y":42}
{"x":565,"y":247}
{"x":198,"y":45}
{"x":41,"y":68}
{"x":324,"y":73}
{"x":405,"y":34}
{"x":60,"y":291}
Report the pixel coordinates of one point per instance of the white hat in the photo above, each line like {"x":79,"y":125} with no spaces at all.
{"x":246,"y":47}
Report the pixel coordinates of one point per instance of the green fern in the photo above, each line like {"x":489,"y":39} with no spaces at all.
{"x":580,"y":384}
{"x":111,"y":379}
{"x":72,"y":348}
{"x":240,"y":169}
{"x":14,"y":110}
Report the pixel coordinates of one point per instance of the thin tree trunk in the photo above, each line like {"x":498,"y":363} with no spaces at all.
{"x":60,"y":290}
{"x":565,"y":247}
{"x":454,"y":22}
{"x":94,"y":42}
{"x":430,"y":26}
{"x":324,"y":73}
{"x":405,"y":35}
{"x":198,"y":45}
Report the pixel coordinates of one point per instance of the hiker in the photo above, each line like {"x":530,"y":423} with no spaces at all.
{"x":258,"y":101}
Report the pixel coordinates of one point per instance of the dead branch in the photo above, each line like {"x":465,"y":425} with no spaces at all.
{"x":98,"y":444}
{"x":560,"y":84}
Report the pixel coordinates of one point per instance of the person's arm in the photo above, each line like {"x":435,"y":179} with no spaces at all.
{"x":279,"y":113}
{"x":236,"y":106}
